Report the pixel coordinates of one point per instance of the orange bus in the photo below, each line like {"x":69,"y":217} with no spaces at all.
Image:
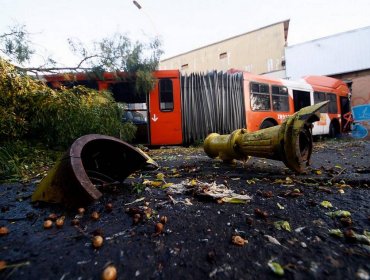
{"x":182,"y":109}
{"x":269,"y":101}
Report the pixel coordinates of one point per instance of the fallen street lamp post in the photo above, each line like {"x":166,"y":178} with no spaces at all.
{"x":93,"y":161}
{"x":290,"y":142}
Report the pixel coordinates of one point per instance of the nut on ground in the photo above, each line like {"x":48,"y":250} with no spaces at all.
{"x":95,"y":216}
{"x":4,"y":231}
{"x":109,"y":273}
{"x":48,"y":224}
{"x":238,"y":240}
{"x":97,"y":241}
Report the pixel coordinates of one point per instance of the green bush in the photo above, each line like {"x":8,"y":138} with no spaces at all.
{"x":31,"y":110}
{"x":25,"y":160}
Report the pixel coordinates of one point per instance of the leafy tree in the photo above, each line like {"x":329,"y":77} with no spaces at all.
{"x":118,"y":53}
{"x":16,"y":44}
{"x":115,"y":53}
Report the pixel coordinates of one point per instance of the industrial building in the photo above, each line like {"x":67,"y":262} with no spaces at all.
{"x":344,"y":56}
{"x":260,"y":52}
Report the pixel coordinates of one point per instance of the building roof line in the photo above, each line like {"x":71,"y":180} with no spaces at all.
{"x":330,"y":36}
{"x":286,"y":26}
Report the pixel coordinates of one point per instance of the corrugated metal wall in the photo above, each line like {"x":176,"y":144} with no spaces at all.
{"x":211,"y":102}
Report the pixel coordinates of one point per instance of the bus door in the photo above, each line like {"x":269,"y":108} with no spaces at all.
{"x":301,"y":99}
{"x":165,"y":112}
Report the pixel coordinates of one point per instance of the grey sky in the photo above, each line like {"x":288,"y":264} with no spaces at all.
{"x":181,"y":24}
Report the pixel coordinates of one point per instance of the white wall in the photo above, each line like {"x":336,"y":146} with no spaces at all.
{"x":340,"y":53}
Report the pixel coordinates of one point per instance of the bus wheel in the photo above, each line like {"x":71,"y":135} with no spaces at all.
{"x":333,"y":130}
{"x":266,"y":124}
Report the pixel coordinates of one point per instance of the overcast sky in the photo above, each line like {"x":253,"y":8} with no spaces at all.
{"x":182,"y":25}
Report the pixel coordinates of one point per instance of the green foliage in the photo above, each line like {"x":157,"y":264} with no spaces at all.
{"x":16,"y":44}
{"x":118,"y":53}
{"x":8,"y":165}
{"x":29,"y":109}
{"x":21,"y":160}
{"x":144,"y":81}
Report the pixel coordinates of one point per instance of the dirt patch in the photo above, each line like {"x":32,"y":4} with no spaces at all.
{"x":285,"y":223}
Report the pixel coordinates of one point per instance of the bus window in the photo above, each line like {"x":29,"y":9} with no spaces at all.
{"x":260,"y":97}
{"x":280,"y":101}
{"x":333,"y":107}
{"x":166,"y":95}
{"x":318,"y":97}
{"x":301,"y":99}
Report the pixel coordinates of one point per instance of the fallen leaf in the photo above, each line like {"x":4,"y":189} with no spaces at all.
{"x":273,"y":240}
{"x":281,"y":207}
{"x":336,"y":232}
{"x":167,"y":185}
{"x":299,"y":229}
{"x":136,"y":200}
{"x":156,"y":183}
{"x":339,"y":213}
{"x":276,"y":268}
{"x":282,"y":225}
{"x":233,"y":200}
{"x":160,"y":176}
{"x":193,"y":182}
{"x":326,"y":204}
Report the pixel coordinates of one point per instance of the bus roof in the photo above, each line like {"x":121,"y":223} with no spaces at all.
{"x":324,"y":81}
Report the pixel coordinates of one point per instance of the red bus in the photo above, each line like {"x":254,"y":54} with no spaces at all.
{"x":182,"y":109}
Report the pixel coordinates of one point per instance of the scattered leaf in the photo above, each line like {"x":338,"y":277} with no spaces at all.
{"x":288,"y":180}
{"x":339,"y":214}
{"x":160,"y":176}
{"x":276,"y":268}
{"x":193,"y":182}
{"x":135,"y":201}
{"x":336,"y":232}
{"x":299,"y":229}
{"x":167,"y":185}
{"x":282,"y":225}
{"x":273,"y":240}
{"x":326,"y":204}
{"x":155,"y":183}
{"x":233,"y":200}
{"x":281,"y":207}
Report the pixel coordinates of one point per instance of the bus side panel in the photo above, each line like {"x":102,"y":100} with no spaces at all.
{"x":254,"y":119}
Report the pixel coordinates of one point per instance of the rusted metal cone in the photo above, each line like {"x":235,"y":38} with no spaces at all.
{"x":92,"y":161}
{"x":290,"y":142}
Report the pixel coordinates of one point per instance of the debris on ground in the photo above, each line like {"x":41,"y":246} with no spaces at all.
{"x":218,"y":192}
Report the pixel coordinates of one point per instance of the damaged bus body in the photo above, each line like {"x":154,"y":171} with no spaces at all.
{"x":183,"y":109}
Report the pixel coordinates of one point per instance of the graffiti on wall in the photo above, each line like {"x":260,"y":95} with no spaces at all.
{"x":361,"y":116}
